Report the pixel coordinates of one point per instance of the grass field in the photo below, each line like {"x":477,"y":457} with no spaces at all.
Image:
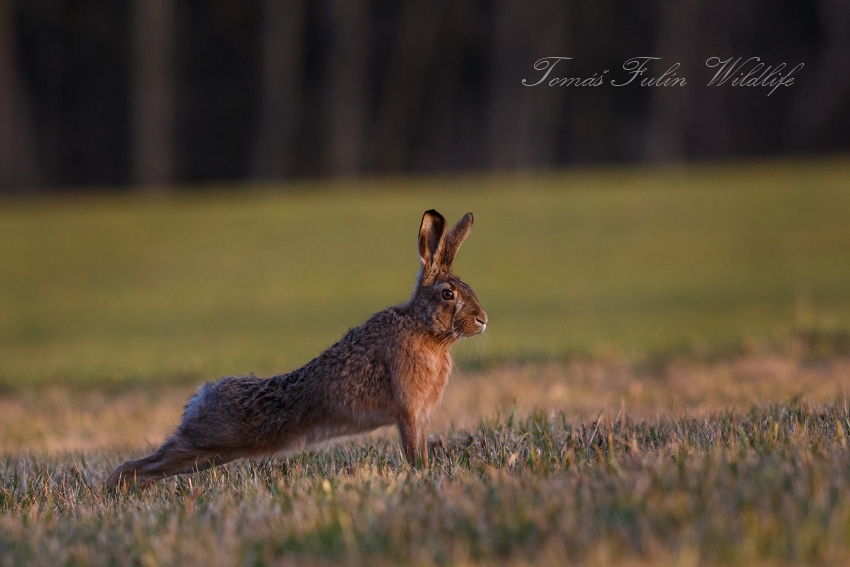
{"x":663,"y":380}
{"x":764,"y":487}
{"x":182,"y":288}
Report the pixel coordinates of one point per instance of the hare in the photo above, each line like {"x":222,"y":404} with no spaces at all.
{"x":392,"y":369}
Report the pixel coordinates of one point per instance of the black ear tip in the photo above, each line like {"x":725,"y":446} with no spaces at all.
{"x":434,"y":217}
{"x":471,"y":218}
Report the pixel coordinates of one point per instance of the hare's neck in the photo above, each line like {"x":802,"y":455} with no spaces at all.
{"x":427,"y":376}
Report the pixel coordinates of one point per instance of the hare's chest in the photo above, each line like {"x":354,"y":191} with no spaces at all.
{"x":427,"y":379}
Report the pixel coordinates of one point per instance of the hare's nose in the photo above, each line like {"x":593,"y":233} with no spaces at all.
{"x":481,"y":318}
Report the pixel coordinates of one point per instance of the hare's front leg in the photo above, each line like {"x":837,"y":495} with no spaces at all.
{"x":414,"y":436}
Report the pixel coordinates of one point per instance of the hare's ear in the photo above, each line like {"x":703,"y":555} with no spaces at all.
{"x":455,"y":238}
{"x":432,"y":234}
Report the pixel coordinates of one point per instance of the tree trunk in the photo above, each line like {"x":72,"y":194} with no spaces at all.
{"x":276,"y":153}
{"x":401,"y":94}
{"x":18,"y":168}
{"x":670,"y":107}
{"x":346,"y":98}
{"x":153,"y":92}
{"x":524,"y":121}
{"x":7,"y":98}
{"x":824,"y":87}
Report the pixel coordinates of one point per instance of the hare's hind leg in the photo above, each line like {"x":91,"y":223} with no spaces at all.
{"x":175,"y":456}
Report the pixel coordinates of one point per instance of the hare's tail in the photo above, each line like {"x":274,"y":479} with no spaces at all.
{"x":175,"y":456}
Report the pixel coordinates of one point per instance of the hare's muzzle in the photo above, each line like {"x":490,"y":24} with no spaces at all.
{"x":481,"y":319}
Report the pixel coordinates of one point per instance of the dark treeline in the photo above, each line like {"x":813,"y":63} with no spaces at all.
{"x":150,"y":92}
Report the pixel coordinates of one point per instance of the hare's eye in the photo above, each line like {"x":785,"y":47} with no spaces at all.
{"x":447,"y":294}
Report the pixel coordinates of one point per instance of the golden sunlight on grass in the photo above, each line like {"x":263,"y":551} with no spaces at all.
{"x":764,"y":486}
{"x":57,"y":420}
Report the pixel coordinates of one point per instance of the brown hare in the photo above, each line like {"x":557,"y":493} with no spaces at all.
{"x":392,"y":369}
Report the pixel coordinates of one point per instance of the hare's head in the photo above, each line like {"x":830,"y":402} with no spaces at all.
{"x":441,"y":300}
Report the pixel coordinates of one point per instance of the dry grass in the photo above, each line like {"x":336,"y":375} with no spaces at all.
{"x":57,"y":420}
{"x":694,"y":461}
{"x":586,"y":462}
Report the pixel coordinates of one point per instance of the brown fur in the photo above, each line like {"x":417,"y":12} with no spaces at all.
{"x":392,"y":369}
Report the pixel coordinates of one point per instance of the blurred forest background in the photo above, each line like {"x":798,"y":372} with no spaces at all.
{"x":155,"y":92}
